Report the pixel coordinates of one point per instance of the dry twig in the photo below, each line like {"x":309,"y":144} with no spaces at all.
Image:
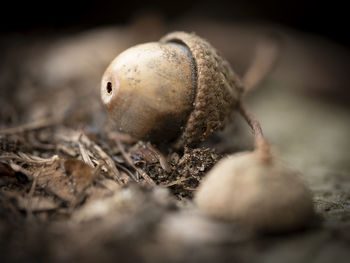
{"x":265,"y":56}
{"x":84,"y":153}
{"x":108,"y":161}
{"x":31,"y":193}
{"x":20,"y":169}
{"x":33,"y":125}
{"x":260,"y":141}
{"x":127,"y":158}
{"x":176,"y":182}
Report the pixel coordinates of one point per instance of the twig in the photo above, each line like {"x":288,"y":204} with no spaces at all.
{"x":260,"y":141}
{"x":130,"y":162}
{"x":30,"y":194}
{"x":121,"y":167}
{"x":66,"y":150}
{"x":145,"y":176}
{"x":190,"y":189}
{"x":265,"y":55}
{"x":20,"y":169}
{"x":109,"y":162}
{"x":175,"y":182}
{"x":32,"y":126}
{"x":84,"y":153}
{"x":105,"y":157}
{"x":122,"y":150}
{"x":22,"y":157}
{"x":36,"y":159}
{"x":162,"y":160}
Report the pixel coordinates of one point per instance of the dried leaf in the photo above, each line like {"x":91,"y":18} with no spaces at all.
{"x":53,"y":179}
{"x":81,"y":174}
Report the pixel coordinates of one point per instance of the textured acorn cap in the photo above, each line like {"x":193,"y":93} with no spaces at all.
{"x":261,"y":195}
{"x":218,"y":89}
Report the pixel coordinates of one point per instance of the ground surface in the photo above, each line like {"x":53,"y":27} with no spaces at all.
{"x":72,"y":189}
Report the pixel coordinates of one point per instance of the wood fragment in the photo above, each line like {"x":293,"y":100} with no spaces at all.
{"x":162,"y":160}
{"x":30,"y":195}
{"x":260,"y":141}
{"x":28,"y":158}
{"x":176,"y":182}
{"x":84,"y":154}
{"x":32,"y":125}
{"x":109,"y":162}
{"x":145,"y":176}
{"x":190,"y":189}
{"x":121,"y":167}
{"x":125,"y":155}
{"x":66,"y":150}
{"x":36,"y":159}
{"x":20,"y":169}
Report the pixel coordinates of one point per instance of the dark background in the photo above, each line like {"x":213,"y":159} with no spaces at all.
{"x":328,"y":18}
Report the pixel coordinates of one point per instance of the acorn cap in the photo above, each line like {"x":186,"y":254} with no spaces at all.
{"x":218,"y":89}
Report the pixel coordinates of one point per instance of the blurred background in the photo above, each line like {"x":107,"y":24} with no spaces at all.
{"x":50,"y":43}
{"x":317,"y":17}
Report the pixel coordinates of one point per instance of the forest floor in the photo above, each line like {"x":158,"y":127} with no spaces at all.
{"x":73,"y":189}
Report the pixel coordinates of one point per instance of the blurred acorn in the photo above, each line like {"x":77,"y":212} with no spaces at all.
{"x":258,"y":192}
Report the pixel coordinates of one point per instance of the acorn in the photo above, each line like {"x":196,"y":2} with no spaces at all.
{"x":260,"y":193}
{"x":176,"y":90}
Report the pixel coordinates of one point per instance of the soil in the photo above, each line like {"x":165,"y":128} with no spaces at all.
{"x":74,"y":189}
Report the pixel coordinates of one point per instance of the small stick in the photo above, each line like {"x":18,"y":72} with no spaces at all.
{"x":130,"y":162}
{"x":265,"y":55}
{"x":110,"y":165}
{"x":122,"y":150}
{"x":31,"y":193}
{"x":20,"y":169}
{"x":176,"y":182}
{"x":108,"y":161}
{"x":260,"y":141}
{"x":84,"y":153}
{"x":190,"y":189}
{"x":22,"y":157}
{"x":162,"y":160}
{"x":145,"y":176}
{"x":121,"y":167}
{"x":32,"y":126}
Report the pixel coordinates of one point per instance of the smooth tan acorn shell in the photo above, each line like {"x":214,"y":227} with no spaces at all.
{"x":218,"y":89}
{"x":263,"y":195}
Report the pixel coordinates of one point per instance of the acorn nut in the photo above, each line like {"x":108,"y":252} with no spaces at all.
{"x":178,"y":89}
{"x":261,"y":194}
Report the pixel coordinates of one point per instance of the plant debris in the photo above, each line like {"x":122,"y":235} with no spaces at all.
{"x":76,"y":164}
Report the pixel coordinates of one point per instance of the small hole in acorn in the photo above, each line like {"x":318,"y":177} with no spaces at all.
{"x":109,"y":87}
